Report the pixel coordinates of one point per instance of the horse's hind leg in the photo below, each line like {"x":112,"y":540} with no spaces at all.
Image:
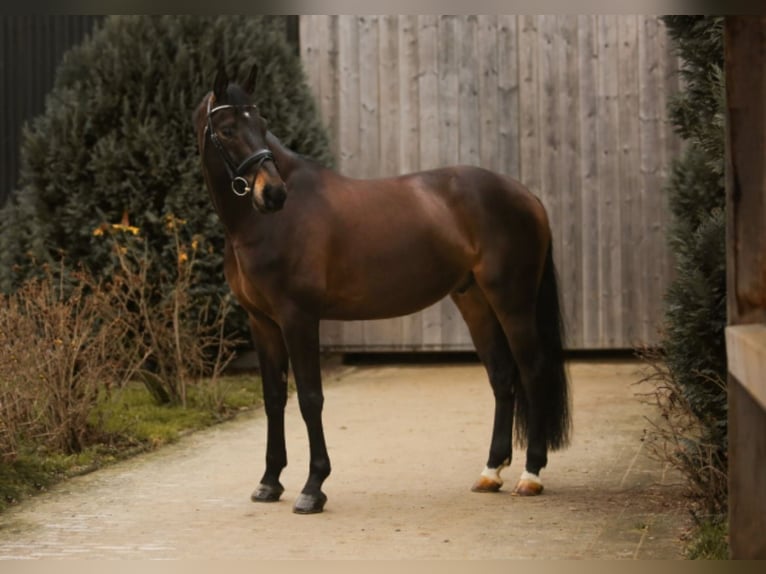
{"x":525,"y":344}
{"x":493,"y":350}
{"x":513,"y":295}
{"x":273,"y":360}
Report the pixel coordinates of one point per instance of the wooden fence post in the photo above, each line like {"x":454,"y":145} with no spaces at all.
{"x":745,"y":63}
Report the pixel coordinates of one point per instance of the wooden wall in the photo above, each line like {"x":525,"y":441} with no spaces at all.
{"x":573,"y":106}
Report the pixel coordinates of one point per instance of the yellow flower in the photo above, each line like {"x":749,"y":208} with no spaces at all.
{"x":194,"y":244}
{"x":183,"y":257}
{"x":98,"y":232}
{"x":171,"y":221}
{"x":124,"y":227}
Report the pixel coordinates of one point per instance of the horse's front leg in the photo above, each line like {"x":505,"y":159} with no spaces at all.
{"x":302,"y":337}
{"x":272,"y":357}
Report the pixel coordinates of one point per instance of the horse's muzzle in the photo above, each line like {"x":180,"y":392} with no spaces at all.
{"x":273,"y":198}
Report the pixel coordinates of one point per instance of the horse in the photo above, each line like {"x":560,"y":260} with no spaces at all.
{"x":304,"y":243}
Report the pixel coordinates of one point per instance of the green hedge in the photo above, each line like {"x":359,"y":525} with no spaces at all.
{"x":694,"y":343}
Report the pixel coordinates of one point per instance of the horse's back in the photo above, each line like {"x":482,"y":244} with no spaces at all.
{"x":453,"y":185}
{"x":464,"y":205}
{"x":494,"y":205}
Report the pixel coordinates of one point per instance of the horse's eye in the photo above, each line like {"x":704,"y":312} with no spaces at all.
{"x":227,"y":132}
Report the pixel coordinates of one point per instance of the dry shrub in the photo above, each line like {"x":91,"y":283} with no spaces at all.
{"x":60,"y":346}
{"x":179,"y":336}
{"x":678,"y":437}
{"x":67,"y":340}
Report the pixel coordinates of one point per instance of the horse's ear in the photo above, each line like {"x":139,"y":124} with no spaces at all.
{"x":249,"y":85}
{"x":221,"y":82}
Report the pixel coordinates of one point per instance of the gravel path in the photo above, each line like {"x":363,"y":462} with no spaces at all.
{"x":406,"y":443}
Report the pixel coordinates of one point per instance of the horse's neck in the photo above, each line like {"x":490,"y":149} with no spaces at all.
{"x":287,"y":160}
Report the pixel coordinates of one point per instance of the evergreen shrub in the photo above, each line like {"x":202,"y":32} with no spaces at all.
{"x":692,"y":392}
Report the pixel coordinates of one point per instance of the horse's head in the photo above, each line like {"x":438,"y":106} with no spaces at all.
{"x":229,"y":122}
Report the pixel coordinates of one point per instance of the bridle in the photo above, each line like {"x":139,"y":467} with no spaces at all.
{"x":239,"y":184}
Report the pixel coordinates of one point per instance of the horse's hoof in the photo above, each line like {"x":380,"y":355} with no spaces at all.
{"x":309,"y":503}
{"x":485,"y":484}
{"x":267,"y":493}
{"x":489,"y":479}
{"x":527,"y":487}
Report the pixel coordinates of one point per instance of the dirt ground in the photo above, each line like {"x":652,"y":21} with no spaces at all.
{"x":406,"y":443}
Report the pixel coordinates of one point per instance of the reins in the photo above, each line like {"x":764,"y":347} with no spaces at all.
{"x":239,"y":185}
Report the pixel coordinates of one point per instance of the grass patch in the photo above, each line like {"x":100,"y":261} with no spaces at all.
{"x":27,"y":474}
{"x":125,"y":423}
{"x":710,"y":540}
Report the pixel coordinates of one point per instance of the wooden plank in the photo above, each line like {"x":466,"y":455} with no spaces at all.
{"x":369,"y":128}
{"x":529,"y":118}
{"x":449,"y":133}
{"x":428,"y":89}
{"x":651,"y":136}
{"x":409,"y":100}
{"x":468,"y":84}
{"x":745,"y":38}
{"x":569,"y":220}
{"x":746,"y":486}
{"x":508,"y":122}
{"x":672,"y":150}
{"x":608,"y":165}
{"x":409,"y":135}
{"x":486,"y":64}
{"x":329,"y":77}
{"x":550,"y":135}
{"x":746,"y":357}
{"x":590,"y":214}
{"x":388,"y":71}
{"x":348,"y":96}
{"x":633,"y":239}
{"x":311,"y":45}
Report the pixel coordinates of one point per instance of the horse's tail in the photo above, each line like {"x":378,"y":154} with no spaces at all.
{"x":552,"y":386}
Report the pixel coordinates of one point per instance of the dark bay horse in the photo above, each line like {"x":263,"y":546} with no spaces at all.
{"x":304,"y":243}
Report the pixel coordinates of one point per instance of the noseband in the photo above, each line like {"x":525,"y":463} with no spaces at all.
{"x":239,"y":184}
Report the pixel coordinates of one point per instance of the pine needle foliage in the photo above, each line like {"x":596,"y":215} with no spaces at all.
{"x":694,"y":344}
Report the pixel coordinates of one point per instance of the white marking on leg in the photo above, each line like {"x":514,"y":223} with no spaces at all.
{"x":494,"y":473}
{"x":531,"y":477}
